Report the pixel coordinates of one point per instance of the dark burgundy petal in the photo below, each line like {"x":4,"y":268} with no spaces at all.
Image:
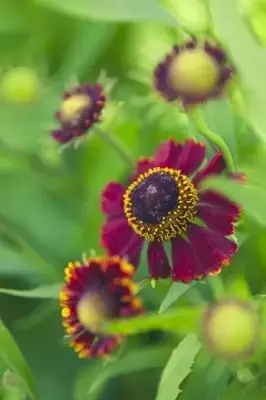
{"x":116,"y":235}
{"x":218,"y":200}
{"x":216,"y":219}
{"x":104,"y":345}
{"x":191,"y":157}
{"x":185,"y":267}
{"x":134,"y":249}
{"x":112,"y":199}
{"x":167,"y":154}
{"x":225,"y":75}
{"x":143,"y":165}
{"x":211,"y":249}
{"x":218,"y":54}
{"x":214,"y":167}
{"x":158,"y":263}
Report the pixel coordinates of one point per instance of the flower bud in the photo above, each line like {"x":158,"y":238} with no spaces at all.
{"x":231,"y":328}
{"x":20,"y":85}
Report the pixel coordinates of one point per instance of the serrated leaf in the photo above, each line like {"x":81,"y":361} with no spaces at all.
{"x":42,"y":292}
{"x":13,"y":358}
{"x":243,"y":48}
{"x":175,"y":291}
{"x":116,"y":10}
{"x":182,"y":320}
{"x":91,"y":382}
{"x":178,"y":368}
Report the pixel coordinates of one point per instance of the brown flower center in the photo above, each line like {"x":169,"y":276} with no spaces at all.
{"x":160,"y":204}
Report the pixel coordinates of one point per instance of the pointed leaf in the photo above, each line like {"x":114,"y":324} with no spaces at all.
{"x":175,"y":291}
{"x":11,"y":355}
{"x":42,"y":292}
{"x":183,"y":320}
{"x":178,"y":368}
{"x":115,"y":10}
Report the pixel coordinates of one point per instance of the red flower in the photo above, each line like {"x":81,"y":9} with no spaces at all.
{"x":80,"y":110}
{"x":192,"y":73}
{"x":164,"y":203}
{"x":94,"y":293}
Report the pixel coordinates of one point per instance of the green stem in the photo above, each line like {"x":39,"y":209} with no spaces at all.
{"x":117,"y":145}
{"x":198,"y":120}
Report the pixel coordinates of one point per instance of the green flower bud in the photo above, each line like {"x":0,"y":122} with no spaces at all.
{"x":231,"y":328}
{"x":20,"y":85}
{"x":194,"y":72}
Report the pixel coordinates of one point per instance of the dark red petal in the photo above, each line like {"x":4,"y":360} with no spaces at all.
{"x":211,"y":249}
{"x":114,"y":271}
{"x":112,"y":199}
{"x":143,"y":165}
{"x":133,"y":251}
{"x":191,"y":157}
{"x":218,"y":54}
{"x":214,"y":167}
{"x":158,"y":263}
{"x":218,"y":200}
{"x":185,"y":267}
{"x":216,"y":219}
{"x":115,"y":236}
{"x":167,"y":154}
{"x":104,"y":345}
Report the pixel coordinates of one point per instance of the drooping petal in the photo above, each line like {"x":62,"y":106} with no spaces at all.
{"x":217,"y":53}
{"x":115,"y":236}
{"x":216,"y":219}
{"x":185,"y":267}
{"x":112,"y":199}
{"x":220,"y":201}
{"x":134,"y":249}
{"x":158,"y":263}
{"x":167,"y":154}
{"x":191,"y":157}
{"x":104,"y":345}
{"x":214,"y":167}
{"x":211,"y":249}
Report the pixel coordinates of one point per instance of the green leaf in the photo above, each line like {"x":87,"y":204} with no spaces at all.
{"x":115,"y":10}
{"x":175,"y":291}
{"x":42,"y":292}
{"x":251,"y":198}
{"x":178,"y":368}
{"x":182,"y":320}
{"x":11,"y":355}
{"x":249,"y":57}
{"x":91,"y":383}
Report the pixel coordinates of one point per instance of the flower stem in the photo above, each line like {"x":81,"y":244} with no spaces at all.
{"x":117,"y":145}
{"x":198,"y":120}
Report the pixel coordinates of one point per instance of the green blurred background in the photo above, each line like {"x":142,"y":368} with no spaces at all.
{"x":49,"y":202}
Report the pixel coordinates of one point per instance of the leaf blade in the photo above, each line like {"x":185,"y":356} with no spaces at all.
{"x":41,"y":292}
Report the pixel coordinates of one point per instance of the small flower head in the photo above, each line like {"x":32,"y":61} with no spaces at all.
{"x":20,"y":85}
{"x":80,"y":110}
{"x":163,"y":201}
{"x":192,"y":74}
{"x":95,"y":292}
{"x":231,"y":328}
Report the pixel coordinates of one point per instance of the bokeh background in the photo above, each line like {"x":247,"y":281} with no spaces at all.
{"x":49,"y":201}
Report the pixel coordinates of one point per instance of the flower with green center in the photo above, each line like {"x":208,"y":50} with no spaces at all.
{"x":231,"y":328}
{"x":80,"y":110}
{"x":192,"y":74}
{"x":95,"y":292}
{"x":163,"y":201}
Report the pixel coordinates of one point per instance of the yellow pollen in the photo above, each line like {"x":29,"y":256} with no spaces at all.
{"x":177,"y":220}
{"x":73,"y":107}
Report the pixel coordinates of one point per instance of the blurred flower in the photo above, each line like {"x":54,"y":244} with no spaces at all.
{"x":192,"y":73}
{"x":231,"y":328}
{"x":80,"y":110}
{"x":95,"y":292}
{"x":20,"y":85}
{"x":164,"y":202}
